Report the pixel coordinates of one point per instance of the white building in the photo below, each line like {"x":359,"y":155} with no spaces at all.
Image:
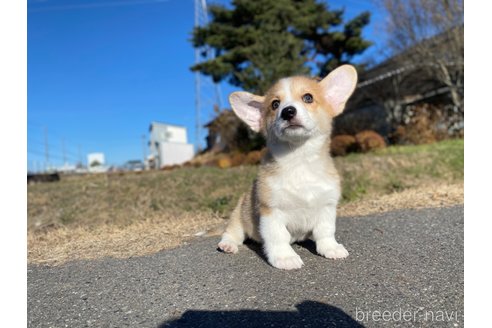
{"x":96,"y":162}
{"x":168,"y":145}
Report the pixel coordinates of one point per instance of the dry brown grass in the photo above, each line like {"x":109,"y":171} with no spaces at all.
{"x":123,"y":199}
{"x":437,"y":195}
{"x":56,"y":246}
{"x":127,"y":215}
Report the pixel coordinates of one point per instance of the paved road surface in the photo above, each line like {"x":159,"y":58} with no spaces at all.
{"x":408,"y":263}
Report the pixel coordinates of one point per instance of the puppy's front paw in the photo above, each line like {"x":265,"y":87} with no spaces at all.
{"x":228,"y":247}
{"x":287,"y":263}
{"x":332,"y":250}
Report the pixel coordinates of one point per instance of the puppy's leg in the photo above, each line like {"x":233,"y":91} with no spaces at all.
{"x":234,"y":234}
{"x":324,"y":235}
{"x":276,"y":239}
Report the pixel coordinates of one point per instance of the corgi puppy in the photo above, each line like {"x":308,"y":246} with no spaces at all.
{"x":296,"y":192}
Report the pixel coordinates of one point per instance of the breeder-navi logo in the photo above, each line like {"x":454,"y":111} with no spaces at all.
{"x":407,"y":315}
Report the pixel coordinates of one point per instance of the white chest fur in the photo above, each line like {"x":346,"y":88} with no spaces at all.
{"x":303,"y":180}
{"x":302,"y":187}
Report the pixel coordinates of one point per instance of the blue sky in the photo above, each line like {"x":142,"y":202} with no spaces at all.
{"x":99,"y":71}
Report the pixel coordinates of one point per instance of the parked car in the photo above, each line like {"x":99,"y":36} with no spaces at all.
{"x":134,"y":165}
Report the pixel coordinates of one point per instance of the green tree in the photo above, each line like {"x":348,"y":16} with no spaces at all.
{"x":95,"y":163}
{"x":258,"y":42}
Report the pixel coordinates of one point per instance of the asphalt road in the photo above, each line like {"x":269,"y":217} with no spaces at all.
{"x":405,"y":268}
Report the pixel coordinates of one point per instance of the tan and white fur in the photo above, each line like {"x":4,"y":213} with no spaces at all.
{"x":296,"y":192}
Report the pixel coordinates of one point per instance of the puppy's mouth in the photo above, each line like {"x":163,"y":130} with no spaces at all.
{"x":294,"y":126}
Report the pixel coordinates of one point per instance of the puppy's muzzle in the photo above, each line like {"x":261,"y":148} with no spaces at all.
{"x":288,"y":113}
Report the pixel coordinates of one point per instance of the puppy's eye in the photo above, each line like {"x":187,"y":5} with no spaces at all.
{"x":307,"y":98}
{"x":275,"y":104}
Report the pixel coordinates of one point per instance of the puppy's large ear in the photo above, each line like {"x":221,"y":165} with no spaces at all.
{"x":338,"y":86}
{"x":247,"y":107}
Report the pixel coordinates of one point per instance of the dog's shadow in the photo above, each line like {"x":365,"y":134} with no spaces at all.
{"x":307,"y":314}
{"x":258,"y":248}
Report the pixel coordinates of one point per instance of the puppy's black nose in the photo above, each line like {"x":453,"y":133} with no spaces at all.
{"x":288,"y":113}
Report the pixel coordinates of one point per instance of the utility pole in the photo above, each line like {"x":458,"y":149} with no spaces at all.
{"x":80,"y":156}
{"x":144,"y":148}
{"x":64,"y":152}
{"x":46,"y":149}
{"x":198,"y":123}
{"x":203,"y":84}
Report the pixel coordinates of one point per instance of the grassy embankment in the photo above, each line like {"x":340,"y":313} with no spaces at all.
{"x":133,"y":214}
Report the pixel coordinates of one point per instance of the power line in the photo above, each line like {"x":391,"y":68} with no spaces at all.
{"x":41,"y":153}
{"x":51,"y":145}
{"x":45,"y":143}
{"x":53,"y":155}
{"x":94,"y":5}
